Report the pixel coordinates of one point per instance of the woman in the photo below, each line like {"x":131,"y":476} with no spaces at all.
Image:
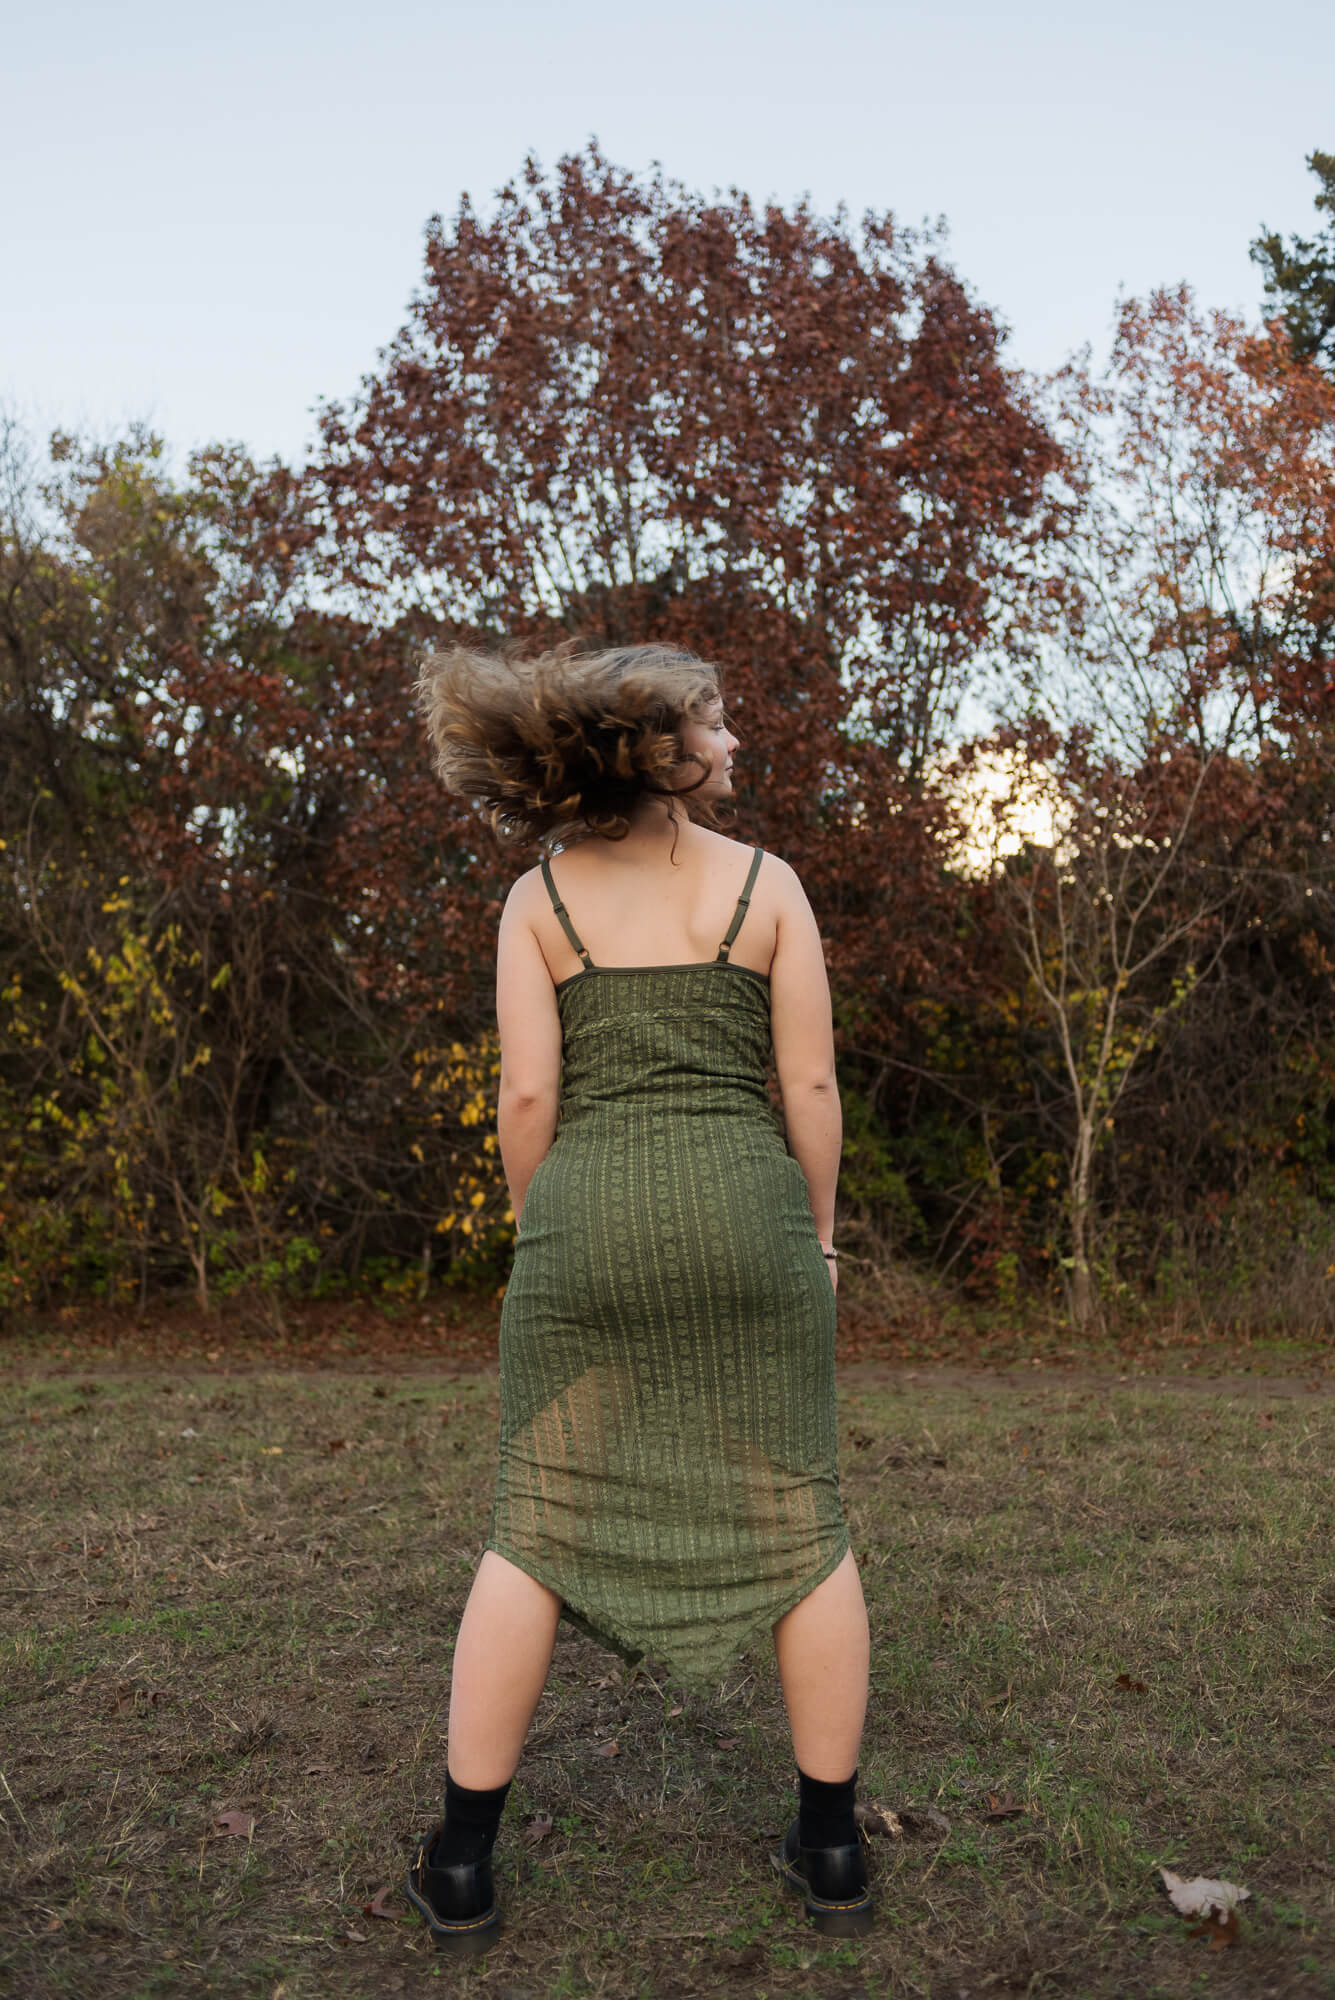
{"x":667,"y":1471}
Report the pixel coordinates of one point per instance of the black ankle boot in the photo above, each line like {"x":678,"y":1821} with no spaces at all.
{"x":832,"y":1882}
{"x":458,"y":1901}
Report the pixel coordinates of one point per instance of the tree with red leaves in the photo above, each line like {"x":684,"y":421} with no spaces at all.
{"x":621,"y":411}
{"x":1176,"y":723}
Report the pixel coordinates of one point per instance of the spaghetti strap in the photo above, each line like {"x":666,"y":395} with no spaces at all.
{"x":564,"y":917}
{"x":739,"y":913}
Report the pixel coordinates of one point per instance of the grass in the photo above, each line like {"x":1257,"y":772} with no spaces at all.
{"x":1107,"y":1610}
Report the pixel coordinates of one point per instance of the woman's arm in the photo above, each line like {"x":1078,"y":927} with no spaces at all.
{"x":804,"y":1050}
{"x":530,"y":1029}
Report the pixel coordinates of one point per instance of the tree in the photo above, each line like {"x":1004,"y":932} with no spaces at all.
{"x":1192,"y":590}
{"x":238,"y":1035}
{"x":1300,"y":274}
{"x":1176,"y":712}
{"x":620,"y":410}
{"x":1117,"y":923}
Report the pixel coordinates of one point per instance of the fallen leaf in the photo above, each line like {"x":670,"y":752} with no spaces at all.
{"x":1219,"y":1931}
{"x":879,"y":1819}
{"x":673,"y":1713}
{"x":726,"y":1742}
{"x":538,"y":1828}
{"x":1130,"y":1686}
{"x":1267,"y":1419}
{"x":354,"y":1937}
{"x":239,"y":1823}
{"x":376,"y":1906}
{"x":338,"y":1444}
{"x":1214,"y":1905}
{"x":610,"y":1749}
{"x":999,"y":1807}
{"x":271,"y":1451}
{"x":1199,"y":1896}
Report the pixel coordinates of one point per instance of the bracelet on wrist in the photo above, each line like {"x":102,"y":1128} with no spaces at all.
{"x":833,"y":1255}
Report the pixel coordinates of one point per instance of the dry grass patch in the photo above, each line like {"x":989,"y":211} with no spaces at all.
{"x":1103,"y":1629}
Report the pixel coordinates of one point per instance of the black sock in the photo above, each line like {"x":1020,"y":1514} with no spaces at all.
{"x":825,"y":1812}
{"x":471,"y":1820}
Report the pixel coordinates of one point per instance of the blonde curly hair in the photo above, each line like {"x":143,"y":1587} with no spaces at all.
{"x":566,"y":742}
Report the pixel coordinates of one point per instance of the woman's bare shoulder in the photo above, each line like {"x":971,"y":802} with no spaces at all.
{"x":720,"y":845}
{"x":782,"y":879}
{"x":527,"y":894}
{"x":776,"y":879}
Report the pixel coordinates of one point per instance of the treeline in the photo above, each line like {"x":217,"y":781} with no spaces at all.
{"x":1082,"y":966}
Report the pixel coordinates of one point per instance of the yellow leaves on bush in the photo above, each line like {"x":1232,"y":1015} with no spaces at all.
{"x":453,"y":1084}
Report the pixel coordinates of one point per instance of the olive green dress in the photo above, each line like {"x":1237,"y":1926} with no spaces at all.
{"x":668,"y":1445}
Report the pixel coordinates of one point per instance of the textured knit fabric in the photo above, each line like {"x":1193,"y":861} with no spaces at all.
{"x":668,"y":1443}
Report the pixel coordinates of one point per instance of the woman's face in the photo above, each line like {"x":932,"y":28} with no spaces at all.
{"x":708,"y":736}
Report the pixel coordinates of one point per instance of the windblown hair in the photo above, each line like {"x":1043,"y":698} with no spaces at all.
{"x":566,"y":742}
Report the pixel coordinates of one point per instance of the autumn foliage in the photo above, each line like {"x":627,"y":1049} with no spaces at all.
{"x":246,"y":942}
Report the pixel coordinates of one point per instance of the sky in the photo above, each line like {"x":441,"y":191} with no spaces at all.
{"x":213,"y":217}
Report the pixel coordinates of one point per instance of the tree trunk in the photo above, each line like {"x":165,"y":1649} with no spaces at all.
{"x":1083,"y":1294}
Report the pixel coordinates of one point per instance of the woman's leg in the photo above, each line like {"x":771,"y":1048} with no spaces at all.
{"x":823,"y":1656}
{"x":501,"y":1659}
{"x":823,"y":1652}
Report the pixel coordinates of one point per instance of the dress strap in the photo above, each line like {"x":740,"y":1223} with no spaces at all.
{"x":564,"y":917}
{"x":743,"y":901}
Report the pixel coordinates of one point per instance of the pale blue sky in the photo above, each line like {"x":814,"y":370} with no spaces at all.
{"x":212,"y":217}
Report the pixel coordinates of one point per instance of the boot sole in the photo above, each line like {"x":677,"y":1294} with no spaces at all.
{"x":830,"y":1919}
{"x":469,"y":1939}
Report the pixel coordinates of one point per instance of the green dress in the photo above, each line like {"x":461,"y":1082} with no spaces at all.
{"x":668,"y":1440}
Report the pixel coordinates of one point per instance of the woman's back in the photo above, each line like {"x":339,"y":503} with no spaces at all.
{"x":633,"y":903}
{"x":678,"y":1042}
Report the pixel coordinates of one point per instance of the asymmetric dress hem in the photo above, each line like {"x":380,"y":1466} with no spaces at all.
{"x":634,"y":1647}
